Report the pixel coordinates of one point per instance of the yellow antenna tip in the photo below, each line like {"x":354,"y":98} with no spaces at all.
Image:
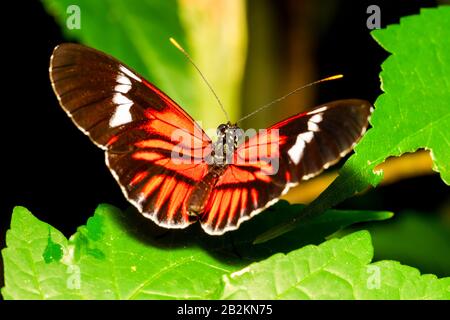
{"x":176,"y":44}
{"x":338,"y":76}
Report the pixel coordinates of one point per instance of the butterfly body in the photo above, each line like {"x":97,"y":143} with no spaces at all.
{"x":228,"y":138}
{"x":167,"y":166}
{"x":201,"y":193}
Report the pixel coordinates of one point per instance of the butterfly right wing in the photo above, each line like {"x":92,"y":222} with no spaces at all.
{"x":271,"y":162}
{"x":139,"y":127}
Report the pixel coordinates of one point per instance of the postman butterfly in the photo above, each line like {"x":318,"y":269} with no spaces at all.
{"x":134,"y":123}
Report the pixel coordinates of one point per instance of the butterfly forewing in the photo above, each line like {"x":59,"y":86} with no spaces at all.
{"x":135,"y":123}
{"x":314,"y":141}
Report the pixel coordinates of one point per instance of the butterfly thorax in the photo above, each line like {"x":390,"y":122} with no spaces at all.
{"x":228,"y":138}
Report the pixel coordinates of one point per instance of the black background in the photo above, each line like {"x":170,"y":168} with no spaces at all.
{"x":52,"y":169}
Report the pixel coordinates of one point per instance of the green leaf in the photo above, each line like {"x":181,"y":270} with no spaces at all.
{"x":111,"y":259}
{"x":421,"y":240}
{"x":124,"y":256}
{"x":53,"y":251}
{"x":337,"y":269}
{"x":313,"y":231}
{"x":32,"y":269}
{"x":121,"y":255}
{"x":138,"y":32}
{"x":413,"y":113}
{"x":316,"y":229}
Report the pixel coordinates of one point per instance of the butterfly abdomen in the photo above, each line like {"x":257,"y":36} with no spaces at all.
{"x":199,"y":197}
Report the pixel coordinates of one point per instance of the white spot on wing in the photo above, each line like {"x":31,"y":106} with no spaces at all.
{"x":122,"y":88}
{"x":123,"y":83}
{"x":122,"y":113}
{"x":129,"y":73}
{"x":296,"y":151}
{"x":313,"y":122}
{"x":141,"y":200}
{"x":317,"y":118}
{"x":312,"y":126}
{"x":320,"y":110}
{"x":122,"y":79}
{"x":121,"y":99}
{"x":121,"y":116}
{"x":306,"y":136}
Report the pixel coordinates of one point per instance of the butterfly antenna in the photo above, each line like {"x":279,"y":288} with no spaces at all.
{"x":179,"y":47}
{"x":338,"y":76}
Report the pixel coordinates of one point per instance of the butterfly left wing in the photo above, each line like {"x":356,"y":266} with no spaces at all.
{"x":268,"y":164}
{"x":138,"y":126}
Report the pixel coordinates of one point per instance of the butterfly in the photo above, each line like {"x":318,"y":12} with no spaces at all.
{"x":221,"y":183}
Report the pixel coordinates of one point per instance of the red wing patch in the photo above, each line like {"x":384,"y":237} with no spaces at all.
{"x":240,"y":193}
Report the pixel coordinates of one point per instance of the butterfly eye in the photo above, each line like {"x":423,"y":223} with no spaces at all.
{"x":221,"y":129}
